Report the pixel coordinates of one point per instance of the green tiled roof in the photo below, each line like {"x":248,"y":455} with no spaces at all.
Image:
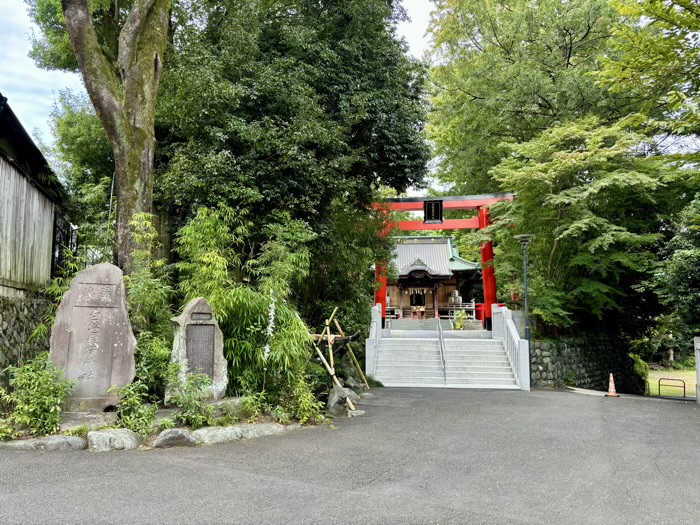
{"x":436,"y":256}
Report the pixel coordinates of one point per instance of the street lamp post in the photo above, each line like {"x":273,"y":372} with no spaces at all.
{"x":524,"y":241}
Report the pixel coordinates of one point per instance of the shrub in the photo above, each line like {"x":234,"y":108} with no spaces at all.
{"x":55,"y":291}
{"x":191,"y":396}
{"x":570,"y":378}
{"x":132,"y":412}
{"x":38,"y":391}
{"x":153,"y":366}
{"x":80,"y":431}
{"x":265,"y":341}
{"x":641,"y":367}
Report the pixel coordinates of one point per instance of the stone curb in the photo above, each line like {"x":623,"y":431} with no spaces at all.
{"x":48,"y":443}
{"x":113,"y":439}
{"x":124,"y":439}
{"x":215,"y":435}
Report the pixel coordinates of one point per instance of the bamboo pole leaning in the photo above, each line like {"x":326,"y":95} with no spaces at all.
{"x":352,"y":354}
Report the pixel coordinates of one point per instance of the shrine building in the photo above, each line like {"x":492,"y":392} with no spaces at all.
{"x":431,"y":279}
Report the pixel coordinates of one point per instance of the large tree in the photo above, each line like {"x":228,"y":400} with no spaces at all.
{"x":506,"y":71}
{"x":118,"y":48}
{"x":288,"y":105}
{"x":596,"y":204}
{"x":656,"y":55}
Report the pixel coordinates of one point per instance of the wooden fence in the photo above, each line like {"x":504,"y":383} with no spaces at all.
{"x":26,"y":231}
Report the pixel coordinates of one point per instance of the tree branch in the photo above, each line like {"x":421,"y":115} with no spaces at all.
{"x":131,"y":31}
{"x":99,"y":77}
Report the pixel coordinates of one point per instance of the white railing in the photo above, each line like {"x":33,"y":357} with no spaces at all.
{"x":371,"y":343}
{"x":696,"y":344}
{"x":517,"y":349}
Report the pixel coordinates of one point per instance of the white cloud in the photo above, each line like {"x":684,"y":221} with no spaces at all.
{"x":30,"y":91}
{"x":415,"y":31}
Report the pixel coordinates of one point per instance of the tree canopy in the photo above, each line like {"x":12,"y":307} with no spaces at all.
{"x":506,"y":73}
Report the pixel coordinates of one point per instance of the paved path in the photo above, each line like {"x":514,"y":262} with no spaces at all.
{"x":418,"y":456}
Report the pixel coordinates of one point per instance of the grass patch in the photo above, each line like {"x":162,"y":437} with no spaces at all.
{"x":686,"y":375}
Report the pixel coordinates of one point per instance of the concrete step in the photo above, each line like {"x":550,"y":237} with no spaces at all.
{"x":417,"y":361}
{"x":468,"y":343}
{"x":487,"y":376}
{"x":438,"y":382}
{"x":476,"y":358}
{"x":450,"y":344}
{"x":404,"y":369}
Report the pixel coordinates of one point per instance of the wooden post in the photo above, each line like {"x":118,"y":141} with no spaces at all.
{"x":352,"y":354}
{"x":330,"y":344}
{"x":351,"y":406}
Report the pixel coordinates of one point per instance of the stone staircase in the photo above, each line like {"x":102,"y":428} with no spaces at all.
{"x":475,"y":362}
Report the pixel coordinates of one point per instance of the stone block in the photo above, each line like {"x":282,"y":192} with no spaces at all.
{"x":92,"y":338}
{"x":48,"y":443}
{"x":214,"y":435}
{"x":175,"y":437}
{"x":113,"y":439}
{"x":198,"y":346}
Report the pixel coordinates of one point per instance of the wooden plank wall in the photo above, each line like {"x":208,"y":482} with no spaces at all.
{"x":26,"y":231}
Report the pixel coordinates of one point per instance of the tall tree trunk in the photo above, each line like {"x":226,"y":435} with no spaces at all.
{"x":124,"y":94}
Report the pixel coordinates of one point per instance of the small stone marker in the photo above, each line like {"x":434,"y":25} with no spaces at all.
{"x":92,"y":338}
{"x":199,"y":345}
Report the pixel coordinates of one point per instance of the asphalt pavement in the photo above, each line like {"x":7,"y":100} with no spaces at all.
{"x":417,"y":456}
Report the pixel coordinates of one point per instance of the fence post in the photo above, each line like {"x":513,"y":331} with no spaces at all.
{"x":371,"y":344}
{"x":696,"y":341}
{"x":524,"y":362}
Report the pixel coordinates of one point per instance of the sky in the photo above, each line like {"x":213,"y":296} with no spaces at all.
{"x":31,"y":92}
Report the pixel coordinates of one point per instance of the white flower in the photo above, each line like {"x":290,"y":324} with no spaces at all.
{"x":270,"y":324}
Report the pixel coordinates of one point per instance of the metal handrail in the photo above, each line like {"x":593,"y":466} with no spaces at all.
{"x":441,"y":339}
{"x":672,"y":386}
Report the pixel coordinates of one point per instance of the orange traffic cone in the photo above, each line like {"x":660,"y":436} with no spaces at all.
{"x":611,"y":388}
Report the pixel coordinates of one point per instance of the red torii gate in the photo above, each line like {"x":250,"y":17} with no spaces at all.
{"x":480,"y":203}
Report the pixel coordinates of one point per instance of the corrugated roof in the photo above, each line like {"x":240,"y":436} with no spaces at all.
{"x":434,"y":255}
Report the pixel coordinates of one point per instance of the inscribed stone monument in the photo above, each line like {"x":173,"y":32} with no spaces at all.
{"x":199,"y":345}
{"x":92,"y":338}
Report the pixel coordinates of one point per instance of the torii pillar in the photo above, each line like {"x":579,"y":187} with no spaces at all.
{"x":480,"y":203}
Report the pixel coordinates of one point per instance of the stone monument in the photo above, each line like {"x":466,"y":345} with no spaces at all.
{"x":199,"y":346}
{"x":92,"y":338}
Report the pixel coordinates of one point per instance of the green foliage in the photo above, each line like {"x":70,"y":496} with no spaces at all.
{"x":82,"y":156}
{"x":654,"y":61}
{"x":374,"y":383}
{"x":153,"y":366}
{"x":641,"y":368}
{"x":460,"y":320}
{"x":253,"y":405}
{"x":240,"y":289}
{"x":55,"y":291}
{"x":504,"y":73}
{"x":149,"y":293}
{"x":570,"y":378}
{"x":592,"y":199}
{"x":132,"y":412}
{"x":191,"y":396}
{"x":148,"y":288}
{"x":38,"y":390}
{"x":79,"y":431}
{"x":288,"y":105}
{"x":343,"y":254}
{"x":165,"y":424}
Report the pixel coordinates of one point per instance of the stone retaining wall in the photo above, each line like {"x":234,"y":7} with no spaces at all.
{"x":584,"y":362}
{"x":19,"y":316}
